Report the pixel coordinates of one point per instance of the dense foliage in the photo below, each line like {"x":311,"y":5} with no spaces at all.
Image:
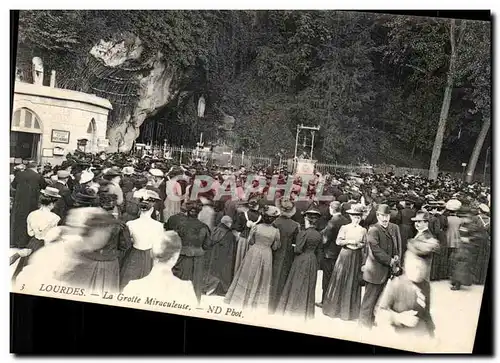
{"x":373,"y":83}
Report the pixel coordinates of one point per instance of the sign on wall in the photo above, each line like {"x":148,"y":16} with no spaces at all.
{"x":305,"y":167}
{"x":103,"y":142}
{"x":59,"y":151}
{"x":47,"y":153}
{"x":60,"y":136}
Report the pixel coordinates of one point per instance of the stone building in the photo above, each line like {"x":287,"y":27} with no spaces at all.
{"x":47,"y":122}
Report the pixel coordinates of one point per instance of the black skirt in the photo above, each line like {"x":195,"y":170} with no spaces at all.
{"x":34,"y":245}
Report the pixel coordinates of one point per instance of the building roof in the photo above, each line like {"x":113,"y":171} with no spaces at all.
{"x":61,"y":94}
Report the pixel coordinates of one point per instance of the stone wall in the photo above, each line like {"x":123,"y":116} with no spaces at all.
{"x":59,"y":109}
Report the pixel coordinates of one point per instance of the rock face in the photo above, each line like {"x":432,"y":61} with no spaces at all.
{"x":115,"y":54}
{"x":154,"y":88}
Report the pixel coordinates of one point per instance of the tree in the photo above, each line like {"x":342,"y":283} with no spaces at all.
{"x":477,"y":149}
{"x":476,"y":71}
{"x":450,"y":80}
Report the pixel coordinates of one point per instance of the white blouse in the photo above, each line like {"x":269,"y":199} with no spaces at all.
{"x":353,"y":234}
{"x":145,"y":231}
{"x":40,"y":221}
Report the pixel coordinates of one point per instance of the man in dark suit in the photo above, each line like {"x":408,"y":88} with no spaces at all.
{"x":65,"y":202}
{"x":330,"y":248}
{"x":382,"y":255}
{"x":424,"y":244}
{"x":27,"y":185}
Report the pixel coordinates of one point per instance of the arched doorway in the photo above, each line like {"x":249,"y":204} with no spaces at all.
{"x":25,"y":135}
{"x":92,"y":137}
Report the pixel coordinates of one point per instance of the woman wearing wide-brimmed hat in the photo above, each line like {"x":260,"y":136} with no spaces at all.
{"x":39,"y":222}
{"x":247,"y":217}
{"x":343,"y":296}
{"x":284,"y":255}
{"x":251,"y":285}
{"x":84,"y":198}
{"x":195,"y":236}
{"x":138,"y":262}
{"x":298,"y":297}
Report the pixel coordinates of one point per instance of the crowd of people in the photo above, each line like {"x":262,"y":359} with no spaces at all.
{"x":136,"y":225}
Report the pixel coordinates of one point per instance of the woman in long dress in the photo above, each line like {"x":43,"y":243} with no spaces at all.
{"x":483,"y":254}
{"x":220,"y":264}
{"x":248,"y":217}
{"x":251,"y":285}
{"x":174,"y":196}
{"x":470,"y":234}
{"x":298,"y":297}
{"x":452,"y":233}
{"x":343,"y":296}
{"x":39,"y":222}
{"x":283,"y":257}
{"x":138,"y":262}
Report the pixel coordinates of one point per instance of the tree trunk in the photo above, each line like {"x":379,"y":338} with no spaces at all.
{"x":438,"y":142}
{"x":477,"y":149}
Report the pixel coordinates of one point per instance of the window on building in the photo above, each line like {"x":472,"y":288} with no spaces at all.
{"x":92,"y":136}
{"x":25,"y":120}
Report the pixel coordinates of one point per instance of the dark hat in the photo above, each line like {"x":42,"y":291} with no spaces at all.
{"x":464,"y":211}
{"x":89,"y":217}
{"x":175,"y":170}
{"x":287,"y":207}
{"x":411,"y":199}
{"x":312,"y":210}
{"x":51,"y":192}
{"x":421,"y":216}
{"x":107,"y":200}
{"x":191,"y":205}
{"x":84,"y":198}
{"x":253,"y":200}
{"x":383,"y":209}
{"x":113,"y":172}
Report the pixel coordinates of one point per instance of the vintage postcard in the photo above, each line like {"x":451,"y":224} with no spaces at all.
{"x":323,"y":172}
